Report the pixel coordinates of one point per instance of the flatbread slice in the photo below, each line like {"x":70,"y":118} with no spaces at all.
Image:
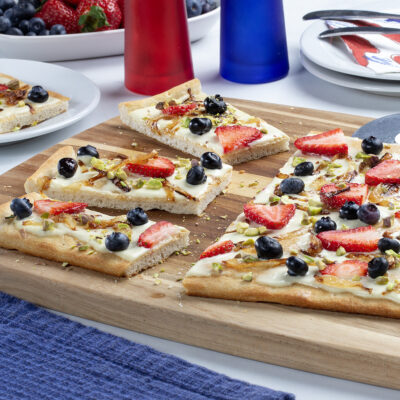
{"x":17,"y":111}
{"x":79,"y":237}
{"x":163,"y":118}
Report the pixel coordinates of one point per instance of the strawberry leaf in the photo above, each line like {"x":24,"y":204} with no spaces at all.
{"x":93,"y":20}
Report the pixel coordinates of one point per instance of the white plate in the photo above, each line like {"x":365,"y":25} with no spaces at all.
{"x":86,"y":45}
{"x":332,"y":54}
{"x":375,"y":86}
{"x":83,"y":93}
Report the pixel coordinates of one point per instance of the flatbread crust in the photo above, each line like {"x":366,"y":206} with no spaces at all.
{"x":230,"y":288}
{"x":274,"y":146}
{"x":119,"y":200}
{"x":59,"y":248}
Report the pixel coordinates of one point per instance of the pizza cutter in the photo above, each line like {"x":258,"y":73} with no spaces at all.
{"x":386,"y":128}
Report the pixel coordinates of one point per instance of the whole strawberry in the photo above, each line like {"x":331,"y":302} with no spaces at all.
{"x":99,"y":15}
{"x":56,"y":12}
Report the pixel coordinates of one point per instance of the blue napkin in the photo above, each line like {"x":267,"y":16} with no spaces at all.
{"x":47,"y":357}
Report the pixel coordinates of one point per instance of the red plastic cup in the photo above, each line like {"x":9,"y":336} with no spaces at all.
{"x":157,"y":47}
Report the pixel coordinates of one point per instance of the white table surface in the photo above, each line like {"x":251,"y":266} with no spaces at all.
{"x":299,"y":89}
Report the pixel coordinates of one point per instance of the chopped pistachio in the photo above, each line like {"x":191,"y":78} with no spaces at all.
{"x":308,"y":260}
{"x":363,"y":155}
{"x":315,"y":203}
{"x":391,"y":252}
{"x":110,"y":174}
{"x":320,"y":264}
{"x":262,"y":229}
{"x":241,"y":227}
{"x":274,"y":199}
{"x":156,"y":275}
{"x":248,"y":277}
{"x":154,"y":183}
{"x":122,"y":183}
{"x":139,"y":183}
{"x":390,"y":286}
{"x":356,"y":278}
{"x":341,"y":185}
{"x":297,"y":160}
{"x":305,"y":220}
{"x":48,"y":225}
{"x":248,"y":242}
{"x":294,"y":252}
{"x":91,"y":252}
{"x":313,"y":220}
{"x":251,"y":232}
{"x":249,"y":259}
{"x":178,"y":177}
{"x":285,"y":198}
{"x":264,"y":131}
{"x":252,"y":184}
{"x":123,"y":226}
{"x":217,"y":267}
{"x":185,"y":252}
{"x":314,"y":210}
{"x":184,"y":162}
{"x":16,"y":128}
{"x":121,"y":174}
{"x":45,"y":215}
{"x":382,"y":280}
{"x":158,"y":282}
{"x":334,"y":165}
{"x":83,"y":248}
{"x":64,"y":264}
{"x":21,"y":103}
{"x":327,"y":260}
{"x":185,"y":122}
{"x":198,"y":241}
{"x":340,"y":251}
{"x":344,"y":227}
{"x":98,"y":164}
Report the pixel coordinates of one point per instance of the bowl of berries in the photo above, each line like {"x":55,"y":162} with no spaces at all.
{"x":57,"y":30}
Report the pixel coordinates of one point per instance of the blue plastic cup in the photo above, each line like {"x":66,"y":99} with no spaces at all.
{"x":253,"y":41}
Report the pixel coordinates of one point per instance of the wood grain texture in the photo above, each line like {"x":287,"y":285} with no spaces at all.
{"x":356,"y":347}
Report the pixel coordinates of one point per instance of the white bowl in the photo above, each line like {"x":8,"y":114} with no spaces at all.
{"x":86,"y":45}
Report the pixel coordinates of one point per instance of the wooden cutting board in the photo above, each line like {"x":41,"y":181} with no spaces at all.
{"x":360,"y":348}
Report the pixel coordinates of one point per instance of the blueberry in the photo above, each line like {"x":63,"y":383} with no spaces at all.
{"x":388,"y":244}
{"x":303,"y":169}
{"x":196,"y":175}
{"x":38,"y":95}
{"x":208,"y":5}
{"x":88,"y":151}
{"x":369,"y":213}
{"x":349,"y":210}
{"x":372,"y":145}
{"x":24,"y":26}
{"x":58,"y":29}
{"x":193,"y":8}
{"x":36,"y":3}
{"x":5,"y":4}
{"x":378,"y":266}
{"x":14,"y":31}
{"x":1,"y":12}
{"x":324,"y":224}
{"x":67,"y":167}
{"x":44,"y":32}
{"x":200,"y":126}
{"x":22,"y":208}
{"x":10,"y":14}
{"x":117,"y":241}
{"x":211,"y":160}
{"x":215,"y":105}
{"x":30,"y":34}
{"x":268,"y":248}
{"x":5,"y":24}
{"x":137,"y":216}
{"x":296,"y":266}
{"x":36,"y":25}
{"x":24,"y":11}
{"x":291,"y":186}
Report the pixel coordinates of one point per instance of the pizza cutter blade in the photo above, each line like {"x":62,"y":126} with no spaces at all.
{"x":386,"y":128}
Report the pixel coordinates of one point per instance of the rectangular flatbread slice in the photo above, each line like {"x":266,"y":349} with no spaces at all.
{"x":173,"y":117}
{"x":129,"y":179}
{"x":70,"y":233}
{"x":323,"y":234}
{"x":17,"y":111}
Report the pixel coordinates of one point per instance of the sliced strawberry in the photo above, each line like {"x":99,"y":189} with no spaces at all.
{"x":159,"y":167}
{"x":179,"y":109}
{"x":358,"y":193}
{"x":397,"y":214}
{"x":234,"y":137}
{"x":156,"y":234}
{"x":218,"y":248}
{"x":363,"y":239}
{"x":273,"y":217}
{"x":386,"y":172}
{"x":3,"y":87}
{"x":54,"y":207}
{"x":347,"y":269}
{"x":327,"y":143}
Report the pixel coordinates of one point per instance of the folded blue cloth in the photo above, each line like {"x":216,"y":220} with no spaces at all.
{"x":48,"y":357}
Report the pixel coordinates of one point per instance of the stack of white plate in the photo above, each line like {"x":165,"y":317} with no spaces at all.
{"x":328,"y":59}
